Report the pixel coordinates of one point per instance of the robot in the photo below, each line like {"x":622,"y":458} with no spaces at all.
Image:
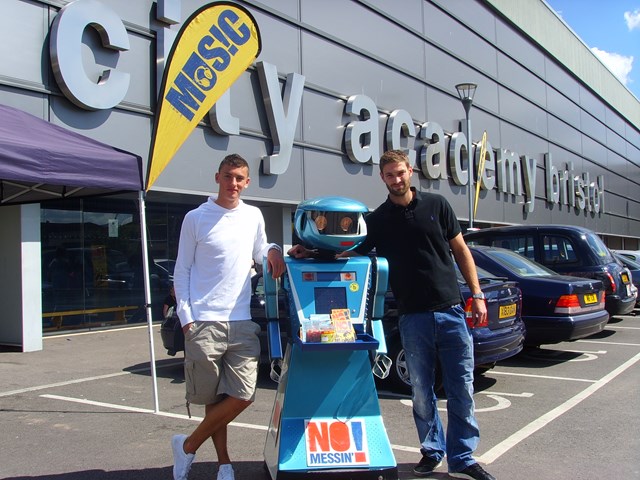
{"x":326,"y":421}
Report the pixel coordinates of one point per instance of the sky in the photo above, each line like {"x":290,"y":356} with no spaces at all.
{"x":611,"y":29}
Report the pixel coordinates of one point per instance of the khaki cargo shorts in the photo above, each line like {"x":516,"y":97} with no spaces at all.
{"x":221,"y":358}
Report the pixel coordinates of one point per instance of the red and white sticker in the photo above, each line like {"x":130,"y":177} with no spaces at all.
{"x":333,"y":443}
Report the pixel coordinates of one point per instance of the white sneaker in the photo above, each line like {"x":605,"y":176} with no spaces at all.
{"x":225,"y":472}
{"x":181,"y":461}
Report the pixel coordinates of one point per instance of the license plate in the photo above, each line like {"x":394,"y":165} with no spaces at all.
{"x":625,"y":278}
{"x":590,"y":298}
{"x":507,"y":310}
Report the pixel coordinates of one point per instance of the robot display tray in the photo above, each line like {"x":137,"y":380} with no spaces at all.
{"x":363,"y":341}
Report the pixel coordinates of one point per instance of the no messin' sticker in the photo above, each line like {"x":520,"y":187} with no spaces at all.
{"x":354,"y":287}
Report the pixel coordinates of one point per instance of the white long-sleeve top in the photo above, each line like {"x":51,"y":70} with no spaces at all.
{"x":212,"y":276}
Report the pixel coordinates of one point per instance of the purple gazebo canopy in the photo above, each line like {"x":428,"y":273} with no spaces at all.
{"x":42,"y":161}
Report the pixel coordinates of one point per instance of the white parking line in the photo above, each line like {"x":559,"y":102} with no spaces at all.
{"x":597,"y":352}
{"x":501,"y":448}
{"x":546,"y":377}
{"x":56,"y":336}
{"x":62,"y":384}
{"x":619,"y":327}
{"x":521,"y":395}
{"x":115,"y":406}
{"x":82,"y":380}
{"x":610,"y":343}
{"x":84,"y":401}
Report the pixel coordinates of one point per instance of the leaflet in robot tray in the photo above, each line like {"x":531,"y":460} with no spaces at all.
{"x":344,"y":331}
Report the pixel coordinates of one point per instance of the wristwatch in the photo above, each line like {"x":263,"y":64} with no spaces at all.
{"x":275,"y":246}
{"x":478,"y":296}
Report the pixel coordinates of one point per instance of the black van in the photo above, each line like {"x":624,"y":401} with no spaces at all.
{"x":569,"y":250}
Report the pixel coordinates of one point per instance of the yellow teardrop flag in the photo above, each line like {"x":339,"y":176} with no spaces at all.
{"x":213,"y":48}
{"x":483,"y":155}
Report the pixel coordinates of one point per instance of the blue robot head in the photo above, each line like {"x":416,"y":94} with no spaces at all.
{"x":331,"y":223}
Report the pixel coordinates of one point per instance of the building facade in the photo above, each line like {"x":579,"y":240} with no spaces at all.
{"x":337,"y":82}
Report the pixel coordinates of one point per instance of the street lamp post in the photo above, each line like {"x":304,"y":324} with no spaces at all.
{"x":466,"y":92}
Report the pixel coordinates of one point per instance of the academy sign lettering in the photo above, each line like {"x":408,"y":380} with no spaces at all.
{"x":439,"y":156}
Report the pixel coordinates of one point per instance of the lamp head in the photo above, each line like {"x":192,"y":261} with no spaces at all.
{"x":466,"y":91}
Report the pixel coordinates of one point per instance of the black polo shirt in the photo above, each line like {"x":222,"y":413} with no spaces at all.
{"x":415,"y":242}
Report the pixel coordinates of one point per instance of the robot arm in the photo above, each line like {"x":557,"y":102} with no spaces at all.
{"x":380,"y":280}
{"x":271,"y":287}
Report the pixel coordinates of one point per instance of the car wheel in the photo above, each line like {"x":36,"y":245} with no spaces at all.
{"x":484,"y":368}
{"x":398,"y":379}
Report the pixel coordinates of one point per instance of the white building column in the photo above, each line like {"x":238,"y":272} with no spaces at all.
{"x":20,"y":277}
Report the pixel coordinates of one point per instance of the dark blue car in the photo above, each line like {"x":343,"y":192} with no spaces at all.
{"x":634,"y":270}
{"x":555,"y":308}
{"x":500,"y":338}
{"x":567,"y":250}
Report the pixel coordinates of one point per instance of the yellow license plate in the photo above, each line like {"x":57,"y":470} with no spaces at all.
{"x":625,"y":278}
{"x":507,"y":310}
{"x":590,"y":298}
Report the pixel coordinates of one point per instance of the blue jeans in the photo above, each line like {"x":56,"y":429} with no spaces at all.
{"x":442,"y":335}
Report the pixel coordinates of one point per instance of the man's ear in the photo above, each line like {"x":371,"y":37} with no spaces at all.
{"x":217,"y":177}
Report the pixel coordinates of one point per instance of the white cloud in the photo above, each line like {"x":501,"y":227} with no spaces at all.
{"x":632,"y":19}
{"x":619,"y":65}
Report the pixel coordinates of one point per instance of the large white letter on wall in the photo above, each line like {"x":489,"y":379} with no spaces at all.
{"x":66,"y":54}
{"x":282,"y":114}
{"x":400,"y":125}
{"x":361,"y":135}
{"x":432,"y":154}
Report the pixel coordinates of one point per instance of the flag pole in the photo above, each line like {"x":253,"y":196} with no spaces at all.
{"x":147,"y":296}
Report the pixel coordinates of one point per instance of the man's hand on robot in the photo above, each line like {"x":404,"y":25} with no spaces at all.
{"x":275,"y":264}
{"x":300,"y":251}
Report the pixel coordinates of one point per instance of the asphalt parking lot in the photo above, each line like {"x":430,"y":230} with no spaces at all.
{"x":83,"y":409}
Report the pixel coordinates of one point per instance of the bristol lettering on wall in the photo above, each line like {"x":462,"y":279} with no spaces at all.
{"x":439,"y":156}
{"x":508,"y":171}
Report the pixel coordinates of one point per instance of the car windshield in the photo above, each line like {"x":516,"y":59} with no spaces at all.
{"x":482,"y":274}
{"x":598,"y":247}
{"x":519,"y":264}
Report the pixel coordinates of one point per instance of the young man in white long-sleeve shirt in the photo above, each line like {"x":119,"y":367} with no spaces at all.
{"x":219,"y":241}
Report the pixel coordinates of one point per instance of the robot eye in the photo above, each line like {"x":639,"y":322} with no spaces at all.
{"x":345,"y":223}
{"x":321,"y":222}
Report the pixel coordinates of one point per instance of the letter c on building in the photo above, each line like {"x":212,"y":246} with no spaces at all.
{"x":65,"y":48}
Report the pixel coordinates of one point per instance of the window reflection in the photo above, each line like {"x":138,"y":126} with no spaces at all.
{"x":92,"y":270}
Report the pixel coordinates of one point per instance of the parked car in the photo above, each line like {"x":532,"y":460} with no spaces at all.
{"x":173,"y":337}
{"x":166,"y":264}
{"x":568,"y":250}
{"x":501,"y":338}
{"x":631,"y":254}
{"x":555,"y":308}
{"x":634,"y":270}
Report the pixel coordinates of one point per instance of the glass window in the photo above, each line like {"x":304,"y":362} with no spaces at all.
{"x":92,"y":270}
{"x":558,"y":250}
{"x":522,"y":244}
